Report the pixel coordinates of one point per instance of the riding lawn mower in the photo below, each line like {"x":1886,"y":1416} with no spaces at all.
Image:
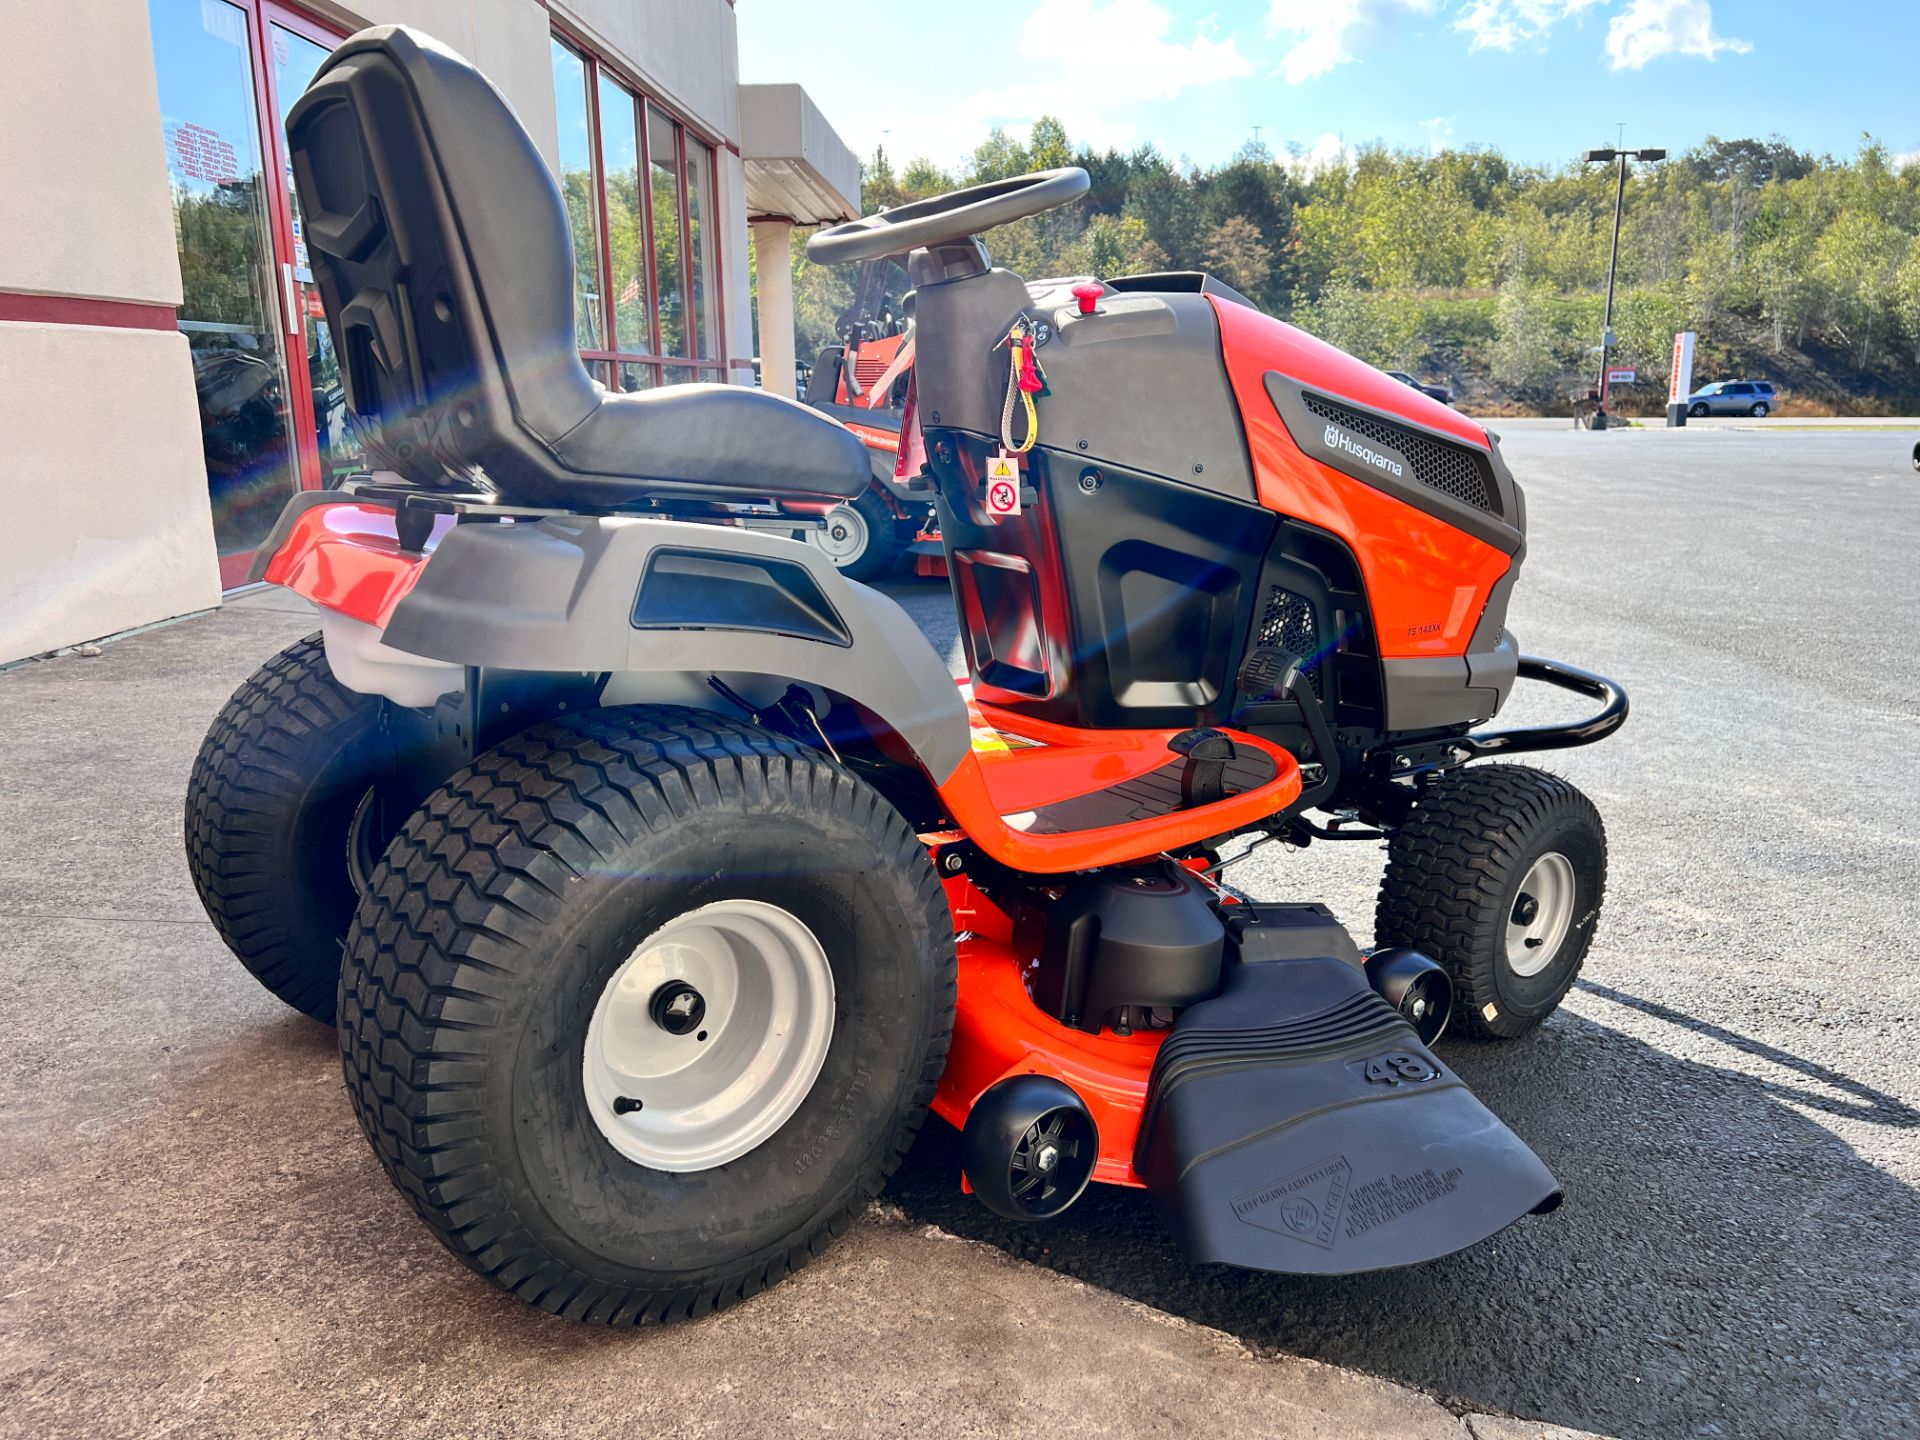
{"x":660,"y":879}
{"x":863,"y":382}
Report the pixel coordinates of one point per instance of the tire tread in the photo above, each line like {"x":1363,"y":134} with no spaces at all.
{"x":1447,"y":870}
{"x":470,"y":879}
{"x":250,"y":772}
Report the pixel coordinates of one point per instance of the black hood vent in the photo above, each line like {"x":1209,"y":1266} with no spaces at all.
{"x":1456,"y":470}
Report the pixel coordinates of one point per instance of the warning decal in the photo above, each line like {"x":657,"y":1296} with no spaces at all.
{"x":1305,"y":1205}
{"x":1003,"y":485}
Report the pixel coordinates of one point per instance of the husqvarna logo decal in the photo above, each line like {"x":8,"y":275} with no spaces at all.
{"x":1338,"y":439}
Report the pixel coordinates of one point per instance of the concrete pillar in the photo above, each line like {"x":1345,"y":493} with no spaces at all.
{"x":773,"y":263}
{"x":102,"y":479}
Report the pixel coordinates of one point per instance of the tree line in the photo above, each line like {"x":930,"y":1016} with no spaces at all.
{"x":1466,"y":266}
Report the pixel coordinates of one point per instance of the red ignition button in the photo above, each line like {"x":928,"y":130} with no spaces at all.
{"x":1088,"y":296}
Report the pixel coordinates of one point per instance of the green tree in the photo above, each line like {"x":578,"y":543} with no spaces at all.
{"x":1490,"y":272}
{"x":878,"y":189}
{"x":1048,"y":147}
{"x":1235,"y":252}
{"x":998,"y":157}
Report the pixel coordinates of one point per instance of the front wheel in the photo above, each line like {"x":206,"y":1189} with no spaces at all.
{"x":860,"y":536}
{"x":1698,"y":412}
{"x":1498,"y":875}
{"x":643,"y":1008}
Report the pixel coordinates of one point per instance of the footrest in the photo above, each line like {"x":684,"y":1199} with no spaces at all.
{"x":1049,"y":798}
{"x":1296,"y":1123}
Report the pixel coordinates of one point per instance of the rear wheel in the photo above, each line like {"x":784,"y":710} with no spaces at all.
{"x":642,"y":1008}
{"x":1759,"y":409}
{"x":1499,"y":875}
{"x":289,"y":804}
{"x":860,"y":536}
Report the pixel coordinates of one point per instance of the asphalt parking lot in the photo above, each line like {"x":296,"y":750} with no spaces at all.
{"x":1732,"y":1097}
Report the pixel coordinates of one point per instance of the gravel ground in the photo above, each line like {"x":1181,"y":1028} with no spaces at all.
{"x":1732,"y":1096}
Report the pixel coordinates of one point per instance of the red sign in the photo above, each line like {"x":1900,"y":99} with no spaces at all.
{"x":1620,"y":377}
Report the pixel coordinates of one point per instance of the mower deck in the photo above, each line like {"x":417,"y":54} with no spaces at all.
{"x":998,"y":1032}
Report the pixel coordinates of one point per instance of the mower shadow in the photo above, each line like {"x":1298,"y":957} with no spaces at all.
{"x":1723,"y":1264}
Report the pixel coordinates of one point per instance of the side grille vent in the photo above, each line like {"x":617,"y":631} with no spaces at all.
{"x":1287,"y":623}
{"x":1455,"y":470}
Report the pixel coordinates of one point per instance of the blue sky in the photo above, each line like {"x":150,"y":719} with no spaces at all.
{"x":1540,"y":79}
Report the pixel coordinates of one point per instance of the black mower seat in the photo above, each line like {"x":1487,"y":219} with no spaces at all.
{"x":440,"y":247}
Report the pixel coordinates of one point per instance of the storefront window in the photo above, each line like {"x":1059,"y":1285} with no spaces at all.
{"x":577,"y":182}
{"x":700,"y":246}
{"x":663,"y":153}
{"x":659,"y":266}
{"x":626,"y":239}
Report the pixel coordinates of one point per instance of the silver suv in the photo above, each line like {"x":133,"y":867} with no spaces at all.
{"x":1732,"y":397}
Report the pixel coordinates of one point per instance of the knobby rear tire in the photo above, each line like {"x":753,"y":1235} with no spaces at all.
{"x":491,"y":927}
{"x":270,"y":809}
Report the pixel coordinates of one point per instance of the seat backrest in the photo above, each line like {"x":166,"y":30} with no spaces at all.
{"x":456,"y":337}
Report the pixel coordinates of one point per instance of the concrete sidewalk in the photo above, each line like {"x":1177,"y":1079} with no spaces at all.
{"x":199,"y":1241}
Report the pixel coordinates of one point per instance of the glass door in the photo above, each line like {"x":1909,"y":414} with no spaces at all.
{"x":296,"y":47}
{"x":232,"y":304}
{"x":272,"y":409}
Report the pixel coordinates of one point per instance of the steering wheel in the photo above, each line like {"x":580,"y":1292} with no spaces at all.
{"x":947,"y":219}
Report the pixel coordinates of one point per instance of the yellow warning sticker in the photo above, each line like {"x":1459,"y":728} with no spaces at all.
{"x":989,"y":741}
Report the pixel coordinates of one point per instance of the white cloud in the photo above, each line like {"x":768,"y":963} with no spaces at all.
{"x":1095,"y":88}
{"x":1439,"y":133}
{"x":1648,"y":29}
{"x":1329,"y":152}
{"x":1325,"y":31}
{"x":1503,"y":24}
{"x":1071,"y":66}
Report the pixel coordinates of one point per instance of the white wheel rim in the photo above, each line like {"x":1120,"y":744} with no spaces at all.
{"x":1541,"y":916}
{"x":844,"y":536}
{"x":767,"y":992}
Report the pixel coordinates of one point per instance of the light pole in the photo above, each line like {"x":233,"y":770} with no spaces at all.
{"x":1602,"y":157}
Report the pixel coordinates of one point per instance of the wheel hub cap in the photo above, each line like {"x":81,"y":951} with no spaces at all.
{"x":843,"y":537}
{"x":1542,"y":914}
{"x":709,"y":1036}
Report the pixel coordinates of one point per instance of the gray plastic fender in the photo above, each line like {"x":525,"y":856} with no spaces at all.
{"x":637,"y":596}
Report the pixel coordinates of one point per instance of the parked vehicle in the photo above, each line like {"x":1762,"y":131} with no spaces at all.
{"x":665,"y":878}
{"x":1731,"y":397}
{"x":1438,"y":392}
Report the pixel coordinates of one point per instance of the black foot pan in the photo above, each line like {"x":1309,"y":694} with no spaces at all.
{"x":1296,"y":1123}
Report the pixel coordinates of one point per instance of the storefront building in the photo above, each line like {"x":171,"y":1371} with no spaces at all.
{"x":167,"y":378}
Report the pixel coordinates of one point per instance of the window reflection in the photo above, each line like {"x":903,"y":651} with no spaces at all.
{"x":700,"y":246}
{"x":663,"y":156}
{"x":583,"y":204}
{"x":626,"y":241}
{"x":650,"y":296}
{"x":230,"y":292}
{"x":295,"y":59}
